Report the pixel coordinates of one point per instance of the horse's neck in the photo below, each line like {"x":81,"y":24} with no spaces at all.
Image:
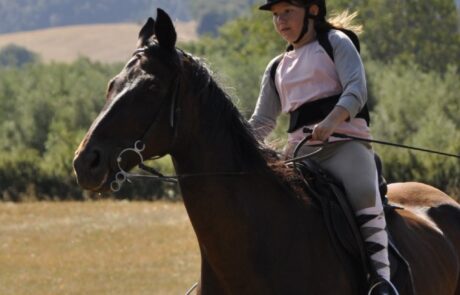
{"x":246,"y":220}
{"x":211,"y":182}
{"x":254,"y":236}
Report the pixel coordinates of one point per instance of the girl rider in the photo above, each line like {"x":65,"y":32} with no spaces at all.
{"x":307,"y":74}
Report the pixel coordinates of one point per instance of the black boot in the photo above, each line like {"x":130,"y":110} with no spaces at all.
{"x":382,"y":287}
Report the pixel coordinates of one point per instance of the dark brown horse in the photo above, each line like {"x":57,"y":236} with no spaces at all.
{"x":255,"y":235}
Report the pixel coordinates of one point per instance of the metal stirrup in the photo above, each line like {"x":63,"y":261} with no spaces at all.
{"x":383,"y":281}
{"x":191,"y":289}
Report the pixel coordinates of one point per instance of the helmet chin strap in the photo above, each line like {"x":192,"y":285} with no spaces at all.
{"x":305,"y":26}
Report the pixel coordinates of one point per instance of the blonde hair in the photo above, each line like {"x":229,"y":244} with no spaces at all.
{"x":344,"y":20}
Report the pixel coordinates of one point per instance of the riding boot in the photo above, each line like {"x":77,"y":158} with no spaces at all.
{"x":372,"y":225}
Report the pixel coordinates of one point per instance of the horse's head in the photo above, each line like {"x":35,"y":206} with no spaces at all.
{"x":139,"y":109}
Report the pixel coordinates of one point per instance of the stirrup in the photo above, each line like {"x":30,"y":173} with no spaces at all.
{"x":381,"y":281}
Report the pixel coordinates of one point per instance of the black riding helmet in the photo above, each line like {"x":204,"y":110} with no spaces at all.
{"x":321,"y":4}
{"x":306,"y":4}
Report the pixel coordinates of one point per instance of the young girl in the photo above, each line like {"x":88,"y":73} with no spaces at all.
{"x":308,"y":79}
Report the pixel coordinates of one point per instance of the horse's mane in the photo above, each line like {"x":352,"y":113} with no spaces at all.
{"x":220,"y":113}
{"x":220,"y":117}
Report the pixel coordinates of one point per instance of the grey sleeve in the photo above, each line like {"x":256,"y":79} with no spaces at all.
{"x":351,"y":73}
{"x":268,"y":107}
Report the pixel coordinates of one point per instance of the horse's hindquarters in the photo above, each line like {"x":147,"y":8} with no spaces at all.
{"x":431,"y":221}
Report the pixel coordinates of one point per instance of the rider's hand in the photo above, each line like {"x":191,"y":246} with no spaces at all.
{"x":323,"y":130}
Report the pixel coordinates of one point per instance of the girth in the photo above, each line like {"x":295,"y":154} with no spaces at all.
{"x":314,"y":112}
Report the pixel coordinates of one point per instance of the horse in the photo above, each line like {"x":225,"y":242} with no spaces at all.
{"x":255,"y":234}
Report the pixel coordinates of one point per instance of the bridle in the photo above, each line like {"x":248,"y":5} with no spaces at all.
{"x":139,"y":145}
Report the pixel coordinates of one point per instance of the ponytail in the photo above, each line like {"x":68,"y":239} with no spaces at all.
{"x":343,"y":20}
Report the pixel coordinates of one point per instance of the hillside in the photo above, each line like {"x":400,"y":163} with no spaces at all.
{"x":33,"y":15}
{"x":100,"y":42}
{"x":26,"y":15}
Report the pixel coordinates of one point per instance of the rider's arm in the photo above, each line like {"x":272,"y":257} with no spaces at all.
{"x":268,"y":107}
{"x":352,"y":77}
{"x":351,"y":73}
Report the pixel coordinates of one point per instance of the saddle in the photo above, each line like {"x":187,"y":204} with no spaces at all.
{"x":341,"y":224}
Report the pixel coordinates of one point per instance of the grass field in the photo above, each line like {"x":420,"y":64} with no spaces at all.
{"x":96,"y":248}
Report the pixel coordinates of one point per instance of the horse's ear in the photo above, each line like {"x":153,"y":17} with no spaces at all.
{"x":146,"y":32}
{"x":165,"y":31}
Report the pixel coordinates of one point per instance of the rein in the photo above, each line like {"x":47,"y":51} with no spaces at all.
{"x":340,"y":135}
{"x":123,"y":175}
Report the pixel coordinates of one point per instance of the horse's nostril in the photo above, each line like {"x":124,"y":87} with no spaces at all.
{"x":94,"y":159}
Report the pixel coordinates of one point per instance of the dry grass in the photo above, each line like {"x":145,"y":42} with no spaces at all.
{"x":96,"y":248}
{"x":102,"y":42}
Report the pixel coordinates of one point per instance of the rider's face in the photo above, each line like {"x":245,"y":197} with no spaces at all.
{"x":288,"y":20}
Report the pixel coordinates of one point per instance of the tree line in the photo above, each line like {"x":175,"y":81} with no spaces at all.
{"x":47,"y":108}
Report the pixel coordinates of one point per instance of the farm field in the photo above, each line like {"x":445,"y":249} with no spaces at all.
{"x":103,"y":247}
{"x":100,"y":42}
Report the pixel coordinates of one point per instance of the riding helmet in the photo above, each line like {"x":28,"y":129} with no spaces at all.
{"x":321,"y":4}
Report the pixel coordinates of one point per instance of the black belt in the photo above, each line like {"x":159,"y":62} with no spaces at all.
{"x":314,"y":112}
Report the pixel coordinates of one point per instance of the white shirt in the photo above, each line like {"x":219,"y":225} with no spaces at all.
{"x":306,"y":74}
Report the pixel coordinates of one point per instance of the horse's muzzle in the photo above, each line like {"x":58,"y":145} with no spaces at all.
{"x":92,"y":169}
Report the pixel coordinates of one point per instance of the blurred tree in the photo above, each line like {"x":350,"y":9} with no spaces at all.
{"x":210,"y":23}
{"x":424,"y":32}
{"x":47,"y":110}
{"x":16,"y":56}
{"x":412,"y":111}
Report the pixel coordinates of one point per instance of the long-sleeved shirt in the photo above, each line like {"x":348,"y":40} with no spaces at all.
{"x":306,"y":74}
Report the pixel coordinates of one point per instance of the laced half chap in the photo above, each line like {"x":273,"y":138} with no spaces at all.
{"x":352,"y":164}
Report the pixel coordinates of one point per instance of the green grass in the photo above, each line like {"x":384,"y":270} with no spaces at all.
{"x":96,"y":248}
